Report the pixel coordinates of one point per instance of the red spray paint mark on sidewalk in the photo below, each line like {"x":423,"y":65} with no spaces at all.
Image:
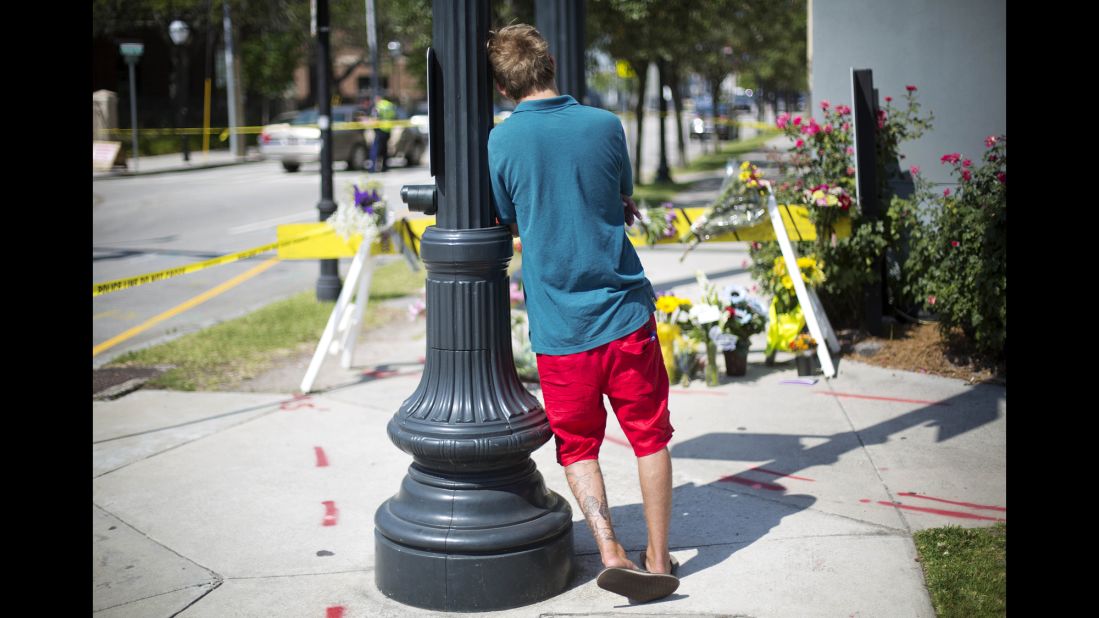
{"x":789,"y":476}
{"x":298,"y":402}
{"x":875,"y":398}
{"x":330,"y":513}
{"x":985,"y":507}
{"x":683,"y":391}
{"x":751,"y":483}
{"x":921,"y":509}
{"x":335,"y":611}
{"x":322,"y":460}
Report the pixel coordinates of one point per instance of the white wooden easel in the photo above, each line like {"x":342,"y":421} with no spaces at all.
{"x":342,"y":330}
{"x":819,"y":326}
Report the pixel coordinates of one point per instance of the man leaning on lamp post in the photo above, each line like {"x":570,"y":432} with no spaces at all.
{"x":561,"y":179}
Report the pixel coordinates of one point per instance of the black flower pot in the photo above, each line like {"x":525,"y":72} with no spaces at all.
{"x":736,"y":363}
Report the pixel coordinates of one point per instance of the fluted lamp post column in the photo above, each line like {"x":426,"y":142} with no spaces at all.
{"x":473,"y":526}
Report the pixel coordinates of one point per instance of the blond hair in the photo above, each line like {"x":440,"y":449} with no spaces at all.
{"x":520,"y":59}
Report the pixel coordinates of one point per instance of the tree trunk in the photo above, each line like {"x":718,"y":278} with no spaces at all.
{"x":715,"y":98}
{"x":677,"y":100}
{"x":639,"y":113}
{"x":663,"y":173}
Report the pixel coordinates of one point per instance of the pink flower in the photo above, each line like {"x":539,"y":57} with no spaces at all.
{"x":950,"y":158}
{"x":825,"y":105}
{"x":915,"y":169}
{"x":966,"y":163}
{"x":797,"y":120}
{"x":990,"y":141}
{"x":799,"y":144}
{"x":931,"y":299}
{"x":843,"y":110}
{"x":850,"y":150}
{"x":782,"y":119}
{"x":850,"y":171}
{"x":827,"y":128}
{"x":910,"y":88}
{"x":846,"y":127}
{"x":757,"y":245}
{"x":967,"y":175}
{"x":755,"y":288}
{"x":954,"y":243}
{"x":813,"y":128}
{"x":946,"y":192}
{"x":1002,"y":177}
{"x":992,"y":158}
{"x":744,"y":264}
{"x":888,"y":99}
{"x":881,"y":118}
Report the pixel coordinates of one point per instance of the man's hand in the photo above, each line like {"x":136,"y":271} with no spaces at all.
{"x":632,"y":213}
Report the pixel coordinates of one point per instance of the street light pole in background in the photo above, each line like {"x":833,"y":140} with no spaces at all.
{"x":328,"y":284}
{"x":132,"y":53}
{"x":181,"y":34}
{"x":394,"y":87}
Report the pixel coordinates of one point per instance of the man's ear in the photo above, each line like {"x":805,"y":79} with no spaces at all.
{"x":500,"y":89}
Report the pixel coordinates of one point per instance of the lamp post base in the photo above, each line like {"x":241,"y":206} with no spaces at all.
{"x":477,"y":542}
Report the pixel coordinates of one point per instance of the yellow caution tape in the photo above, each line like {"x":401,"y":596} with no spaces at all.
{"x":796,"y":219}
{"x":336,"y":126}
{"x":129,"y":282}
{"x":326,"y":244}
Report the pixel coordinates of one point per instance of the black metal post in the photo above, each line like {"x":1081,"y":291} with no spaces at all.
{"x":328,"y":284}
{"x":663,"y":174}
{"x":473,"y":527}
{"x":183,"y":91}
{"x":865,"y":108}
{"x":561,"y":23}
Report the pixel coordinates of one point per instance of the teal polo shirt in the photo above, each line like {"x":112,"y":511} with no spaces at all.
{"x":558,"y":170}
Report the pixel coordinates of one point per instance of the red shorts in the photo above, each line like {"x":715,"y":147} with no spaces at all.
{"x":630,"y":372}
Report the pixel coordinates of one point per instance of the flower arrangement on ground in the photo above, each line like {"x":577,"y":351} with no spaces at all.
{"x":671,"y":313}
{"x":785,"y":316}
{"x":361,"y":211}
{"x":742,"y":317}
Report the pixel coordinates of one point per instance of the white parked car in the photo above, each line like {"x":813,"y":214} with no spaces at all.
{"x":299,"y":140}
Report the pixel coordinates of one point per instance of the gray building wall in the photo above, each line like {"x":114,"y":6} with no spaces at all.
{"x":953,"y":51}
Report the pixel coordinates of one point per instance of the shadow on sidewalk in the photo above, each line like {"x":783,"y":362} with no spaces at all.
{"x":718,"y":520}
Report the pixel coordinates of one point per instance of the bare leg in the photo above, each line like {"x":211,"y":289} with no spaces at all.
{"x":586,"y":481}
{"x":655,"y":472}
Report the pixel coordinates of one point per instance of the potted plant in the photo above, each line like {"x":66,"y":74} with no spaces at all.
{"x":805,"y":347}
{"x":742,"y":317}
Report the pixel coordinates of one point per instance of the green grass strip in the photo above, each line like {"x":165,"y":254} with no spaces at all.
{"x":246,"y":346}
{"x":965,"y":570}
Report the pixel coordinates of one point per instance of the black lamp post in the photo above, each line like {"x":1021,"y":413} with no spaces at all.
{"x":473,"y":526}
{"x":394,"y":48}
{"x":180,"y":34}
{"x":561,"y":22}
{"x":328,"y":284}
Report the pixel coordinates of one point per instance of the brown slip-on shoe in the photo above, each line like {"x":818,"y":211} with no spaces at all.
{"x":671,"y":560}
{"x":637,"y":585}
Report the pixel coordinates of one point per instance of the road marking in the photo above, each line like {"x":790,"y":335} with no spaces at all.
{"x":197,"y":300}
{"x":307,"y":215}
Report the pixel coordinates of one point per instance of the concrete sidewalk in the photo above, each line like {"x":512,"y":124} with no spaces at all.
{"x":159,"y":164}
{"x":786,"y":495}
